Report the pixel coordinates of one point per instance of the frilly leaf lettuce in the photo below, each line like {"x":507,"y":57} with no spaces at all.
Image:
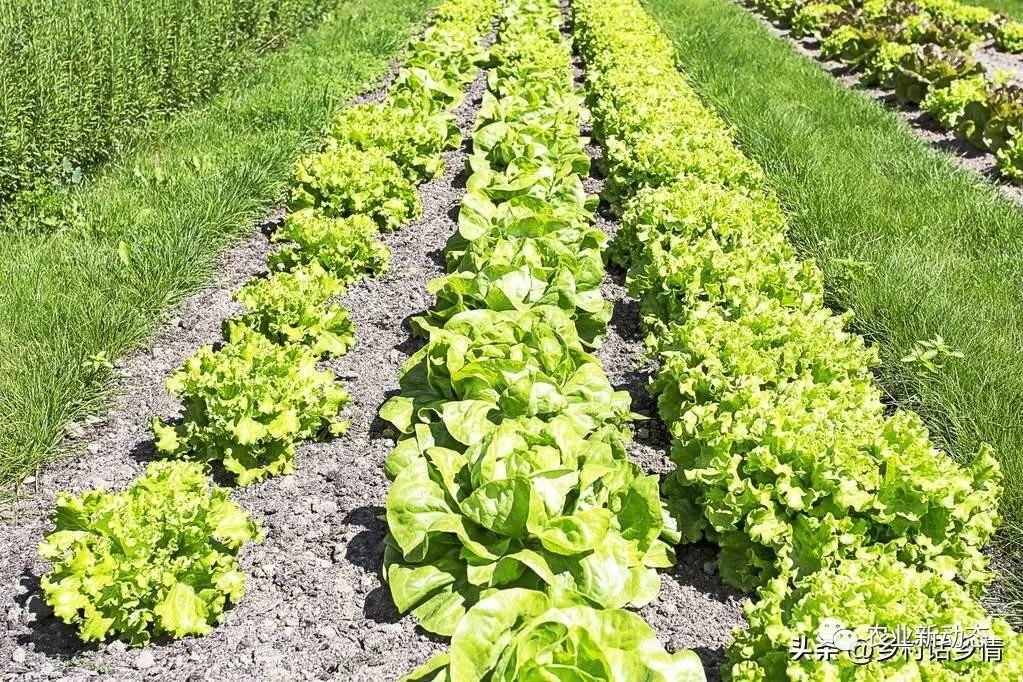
{"x":344,"y":180}
{"x":293,"y":307}
{"x":411,"y":137}
{"x":248,"y":403}
{"x":346,"y":247}
{"x":874,"y":590}
{"x":785,"y":454}
{"x":157,"y":559}
{"x":744,"y":401}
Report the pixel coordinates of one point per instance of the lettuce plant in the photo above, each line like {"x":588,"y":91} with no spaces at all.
{"x":785,"y":454}
{"x":522,"y":634}
{"x":929,"y":67}
{"x":344,"y":181}
{"x":532,"y":504}
{"x":1009,"y":37}
{"x":292,"y":307}
{"x":522,"y":273}
{"x":874,"y":590}
{"x":947,"y":105}
{"x":1009,"y":158}
{"x":692,"y":207}
{"x":746,"y":401}
{"x":814,"y":17}
{"x":482,"y":225}
{"x":485,"y":366}
{"x":411,"y":137}
{"x":157,"y":559}
{"x":640,"y":102}
{"x":440,"y":62}
{"x":248,"y":403}
{"x":990,"y":122}
{"x":348,"y":248}
{"x":671,"y":282}
{"x":882,"y":65}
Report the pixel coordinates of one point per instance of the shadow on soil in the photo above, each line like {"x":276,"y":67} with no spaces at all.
{"x":366,"y":550}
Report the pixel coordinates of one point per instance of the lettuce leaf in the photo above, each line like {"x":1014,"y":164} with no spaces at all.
{"x":155,"y":560}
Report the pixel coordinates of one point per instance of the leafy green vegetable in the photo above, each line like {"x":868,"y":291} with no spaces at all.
{"x":344,"y":181}
{"x":923,"y":50}
{"x":1009,"y":158}
{"x":533,"y":503}
{"x":523,"y":273}
{"x":990,"y":122}
{"x":881,"y":67}
{"x":345,"y":247}
{"x":751,"y":404}
{"x":484,"y":366}
{"x":931,"y":66}
{"x":875,"y":590}
{"x":814,"y":17}
{"x":520,"y":634}
{"x":292,"y":307}
{"x":947,"y":104}
{"x":411,"y":137}
{"x":247,"y":404}
{"x":785,"y":455}
{"x":1010,"y":37}
{"x":158,"y":559}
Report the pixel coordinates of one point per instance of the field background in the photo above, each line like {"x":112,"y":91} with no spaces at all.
{"x":82,"y":79}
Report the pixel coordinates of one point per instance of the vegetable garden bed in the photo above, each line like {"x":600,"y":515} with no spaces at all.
{"x":510,"y":514}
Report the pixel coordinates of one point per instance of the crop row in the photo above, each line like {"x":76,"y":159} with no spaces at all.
{"x":785,"y":455}
{"x":921,"y":49}
{"x":160,"y":558}
{"x":517,"y":525}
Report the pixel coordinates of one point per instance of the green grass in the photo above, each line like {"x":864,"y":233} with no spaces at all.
{"x":1010,"y":8}
{"x":81,"y":78}
{"x":174,"y":203}
{"x":915,"y":246}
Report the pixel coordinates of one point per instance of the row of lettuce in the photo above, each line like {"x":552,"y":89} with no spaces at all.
{"x":922,"y":49}
{"x":821,"y":501}
{"x":517,"y":525}
{"x":159,"y":559}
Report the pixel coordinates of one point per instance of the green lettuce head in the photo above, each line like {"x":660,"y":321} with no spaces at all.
{"x":158,"y":559}
{"x":533,"y":504}
{"x":526,"y":635}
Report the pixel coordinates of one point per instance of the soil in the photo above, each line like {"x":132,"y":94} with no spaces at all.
{"x":919,"y":122}
{"x":315,"y":605}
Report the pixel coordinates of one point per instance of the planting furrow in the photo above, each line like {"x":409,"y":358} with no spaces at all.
{"x":248,"y":403}
{"x":513,"y":511}
{"x":785,"y":456}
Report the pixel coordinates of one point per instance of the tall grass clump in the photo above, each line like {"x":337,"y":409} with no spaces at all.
{"x":80,"y":78}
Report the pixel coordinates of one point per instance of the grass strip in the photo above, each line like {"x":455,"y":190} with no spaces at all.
{"x":917,"y":247}
{"x":152,"y":225}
